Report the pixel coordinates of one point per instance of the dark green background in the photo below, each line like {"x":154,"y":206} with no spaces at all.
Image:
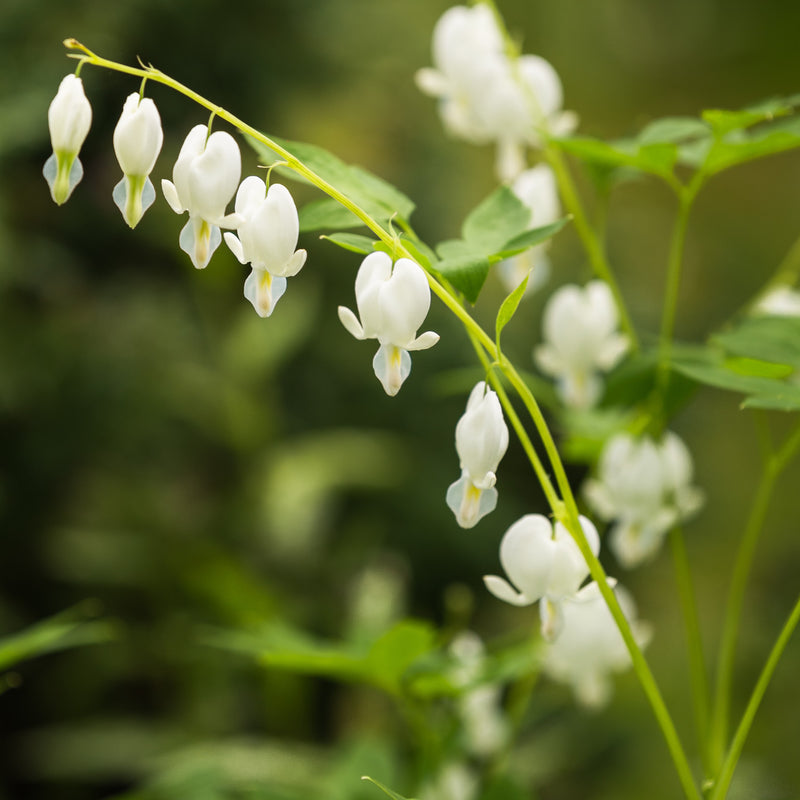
{"x":184,"y":463}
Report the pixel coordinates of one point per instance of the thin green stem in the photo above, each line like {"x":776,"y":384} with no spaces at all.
{"x":734,"y":751}
{"x":718,"y":732}
{"x":686,"y":198}
{"x":697,"y":665}
{"x":591,"y":242}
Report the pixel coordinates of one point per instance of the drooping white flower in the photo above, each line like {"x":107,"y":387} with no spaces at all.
{"x":393,"y":302}
{"x":590,"y":646}
{"x":486,"y":96}
{"x":69,"y":118}
{"x":267,"y":237}
{"x":536,"y":188}
{"x":544,"y":563}
{"x":204,"y":180}
{"x":581,"y":340}
{"x":466,"y":44}
{"x":137,"y":142}
{"x":645,"y":487}
{"x":481,"y":441}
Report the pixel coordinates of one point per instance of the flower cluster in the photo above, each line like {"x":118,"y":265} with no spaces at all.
{"x":485,"y":95}
{"x":583,"y":643}
{"x":204,"y":180}
{"x":580,"y":341}
{"x":645,"y":486}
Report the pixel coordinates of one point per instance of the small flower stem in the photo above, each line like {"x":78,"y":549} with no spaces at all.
{"x":590,"y":240}
{"x":697,"y":665}
{"x":686,"y":196}
{"x":775,"y":465}
{"x":722,"y":784}
{"x":565,"y":509}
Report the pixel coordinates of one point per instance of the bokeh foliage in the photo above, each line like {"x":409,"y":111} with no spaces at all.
{"x":188,"y":467}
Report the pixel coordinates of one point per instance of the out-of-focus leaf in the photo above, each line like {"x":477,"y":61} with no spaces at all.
{"x":656,"y":159}
{"x":68,"y":629}
{"x":673,"y":130}
{"x":724,"y":121}
{"x":393,"y":653}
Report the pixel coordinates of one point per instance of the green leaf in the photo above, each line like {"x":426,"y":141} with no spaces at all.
{"x":466,"y":273}
{"x":69,"y":629}
{"x":529,"y":239}
{"x":354,"y":242}
{"x":508,"y":308}
{"x":500,"y":217}
{"x":723,"y":121}
{"x":743,"y":375}
{"x":673,"y":130}
{"x":393,"y":653}
{"x":378,"y":198}
{"x":657,"y":158}
{"x":768,"y":338}
{"x":327,"y":214}
{"x":385,"y":789}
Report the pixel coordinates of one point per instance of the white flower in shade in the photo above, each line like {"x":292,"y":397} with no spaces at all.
{"x":536,"y":188}
{"x":267,"y":237}
{"x":392,"y":303}
{"x":483,"y":723}
{"x":69,"y":119}
{"x":485,"y":96}
{"x":645,"y":487}
{"x":544,"y":563}
{"x":590,"y":646}
{"x":481,"y":441}
{"x":581,"y":340}
{"x":781,"y":301}
{"x":204,"y":180}
{"x":137,"y":142}
{"x":466,"y":44}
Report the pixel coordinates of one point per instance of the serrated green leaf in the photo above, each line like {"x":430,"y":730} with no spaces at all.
{"x":377,"y":197}
{"x":354,"y":242}
{"x":498,"y":218}
{"x":768,"y":338}
{"x":328,"y":215}
{"x":508,"y":308}
{"x":385,"y":789}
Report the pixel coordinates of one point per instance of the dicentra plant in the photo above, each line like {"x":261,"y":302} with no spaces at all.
{"x":641,"y":486}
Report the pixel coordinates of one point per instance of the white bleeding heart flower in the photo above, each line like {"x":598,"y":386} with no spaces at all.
{"x":267,"y":238}
{"x":581,"y":341}
{"x":393,"y":301}
{"x":138,"y":138}
{"x":69,"y":118}
{"x":644,"y":487}
{"x":204,"y":180}
{"x":590,"y":646}
{"x":544,"y":563}
{"x":481,"y":441}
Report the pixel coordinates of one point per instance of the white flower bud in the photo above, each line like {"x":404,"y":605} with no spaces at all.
{"x":137,"y":142}
{"x":69,"y":119}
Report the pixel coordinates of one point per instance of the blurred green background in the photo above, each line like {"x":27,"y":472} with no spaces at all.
{"x":183,"y":464}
